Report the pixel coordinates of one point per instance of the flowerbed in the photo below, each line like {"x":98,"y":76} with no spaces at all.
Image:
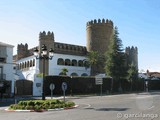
{"x":38,"y":105}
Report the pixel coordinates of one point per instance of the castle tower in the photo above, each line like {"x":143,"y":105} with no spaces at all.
{"x":22,"y":51}
{"x":98,"y":35}
{"x":132,"y":56}
{"x":48,"y":40}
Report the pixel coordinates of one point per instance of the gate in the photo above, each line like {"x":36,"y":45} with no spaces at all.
{"x":23,"y":87}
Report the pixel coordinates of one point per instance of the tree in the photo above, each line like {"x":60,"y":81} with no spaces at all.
{"x":115,"y":59}
{"x":64,"y":71}
{"x":95,"y":60}
{"x":132,"y":75}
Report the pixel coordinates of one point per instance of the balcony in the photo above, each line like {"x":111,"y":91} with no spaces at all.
{"x":2,"y":76}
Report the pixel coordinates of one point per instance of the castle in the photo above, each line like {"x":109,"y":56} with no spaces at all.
{"x":98,"y":36}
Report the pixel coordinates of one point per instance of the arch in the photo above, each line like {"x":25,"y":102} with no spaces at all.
{"x":74,"y":74}
{"x":80,"y":63}
{"x":75,"y":48}
{"x":61,"y":73}
{"x":27,"y":64}
{"x":70,"y":47}
{"x":58,"y":46}
{"x":84,"y":74}
{"x":20,"y":66}
{"x":23,"y":65}
{"x":60,"y":61}
{"x":74,"y":62}
{"x":66,"y":47}
{"x":67,"y":62}
{"x":86,"y":63}
{"x":33,"y":62}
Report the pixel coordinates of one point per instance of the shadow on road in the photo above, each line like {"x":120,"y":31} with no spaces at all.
{"x":112,"y":109}
{"x":108,"y":109}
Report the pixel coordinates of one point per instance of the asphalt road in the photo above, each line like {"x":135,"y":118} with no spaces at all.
{"x":144,"y":106}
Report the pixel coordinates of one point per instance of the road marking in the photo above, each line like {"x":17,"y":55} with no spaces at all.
{"x":86,"y":105}
{"x":151,"y":107}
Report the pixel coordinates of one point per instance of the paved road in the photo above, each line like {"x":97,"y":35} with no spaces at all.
{"x":144,"y":106}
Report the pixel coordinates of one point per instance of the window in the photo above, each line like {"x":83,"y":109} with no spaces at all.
{"x":80,"y":63}
{"x":74,"y":62}
{"x":67,"y":62}
{"x":84,"y":74}
{"x":33,"y":62}
{"x":74,"y":74}
{"x":27,"y":64}
{"x":60,"y":61}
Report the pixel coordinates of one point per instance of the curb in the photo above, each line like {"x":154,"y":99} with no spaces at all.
{"x":56,"y":109}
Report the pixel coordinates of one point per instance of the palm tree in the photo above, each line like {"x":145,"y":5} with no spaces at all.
{"x":64,"y":71}
{"x":94,"y":60}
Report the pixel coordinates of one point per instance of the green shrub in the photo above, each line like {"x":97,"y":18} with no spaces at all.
{"x":41,"y":104}
{"x":52,"y":106}
{"x":38,"y":107}
{"x":14,"y":107}
{"x":29,"y":107}
{"x":69,"y":104}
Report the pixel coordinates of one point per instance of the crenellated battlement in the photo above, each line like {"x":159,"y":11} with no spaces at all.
{"x":22,"y":46}
{"x":132,"y":55}
{"x":22,"y":51}
{"x":131,"y":50}
{"x":46,"y":35}
{"x":99,"y":21}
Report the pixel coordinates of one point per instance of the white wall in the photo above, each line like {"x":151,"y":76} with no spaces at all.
{"x":8,"y":66}
{"x":29,"y":72}
{"x":55,"y":69}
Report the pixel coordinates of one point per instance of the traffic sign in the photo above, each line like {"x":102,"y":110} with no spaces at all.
{"x":52,"y":86}
{"x":98,"y":80}
{"x":64,"y":86}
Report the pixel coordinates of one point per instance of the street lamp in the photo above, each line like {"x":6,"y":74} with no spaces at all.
{"x":71,"y":85}
{"x":43,"y":56}
{"x":1,"y":86}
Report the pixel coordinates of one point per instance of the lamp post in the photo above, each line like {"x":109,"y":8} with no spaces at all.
{"x":146,"y":82}
{"x":43,"y":56}
{"x":71,"y":85}
{"x":1,"y":87}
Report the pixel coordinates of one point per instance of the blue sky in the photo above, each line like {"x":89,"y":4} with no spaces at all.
{"x":137,"y":22}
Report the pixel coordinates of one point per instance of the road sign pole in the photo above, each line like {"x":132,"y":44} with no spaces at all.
{"x":51,"y":94}
{"x":64,"y":95}
{"x":52,"y":87}
{"x":64,"y":88}
{"x":101,"y":90}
